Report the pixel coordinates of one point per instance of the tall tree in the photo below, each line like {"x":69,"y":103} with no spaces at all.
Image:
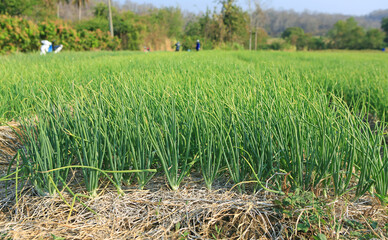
{"x":374,"y":39}
{"x":79,"y":4}
{"x":36,"y":9}
{"x":258,"y":21}
{"x":384,"y":26}
{"x":14,"y":7}
{"x":347,"y":35}
{"x":59,"y":2}
{"x":297,"y":37}
{"x":235,"y":21}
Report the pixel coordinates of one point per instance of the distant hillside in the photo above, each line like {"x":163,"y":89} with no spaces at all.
{"x":377,"y":15}
{"x":316,"y":23}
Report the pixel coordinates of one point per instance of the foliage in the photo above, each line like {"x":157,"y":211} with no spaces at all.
{"x":226,"y":28}
{"x":280,"y":44}
{"x":347,"y":35}
{"x":125,"y":26}
{"x":262,"y":37}
{"x":293,"y":34}
{"x":344,"y":35}
{"x":297,"y":37}
{"x":316,"y":43}
{"x":374,"y":39}
{"x":171,"y":19}
{"x":315,"y":23}
{"x":384,"y":26}
{"x":93,"y":24}
{"x":234,"y":19}
{"x":79,"y":4}
{"x":195,"y":30}
{"x":20,"y":35}
{"x":36,"y":9}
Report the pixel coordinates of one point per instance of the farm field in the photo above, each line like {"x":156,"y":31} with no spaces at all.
{"x":293,"y":125}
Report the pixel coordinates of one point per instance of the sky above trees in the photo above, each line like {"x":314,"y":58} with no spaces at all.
{"x":351,"y":7}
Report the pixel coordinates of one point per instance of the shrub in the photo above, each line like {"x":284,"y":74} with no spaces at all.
{"x":281,"y":45}
{"x":17,"y":34}
{"x":21,"y":35}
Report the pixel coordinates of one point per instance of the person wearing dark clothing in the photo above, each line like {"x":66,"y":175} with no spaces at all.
{"x":198,"y":45}
{"x":57,"y":48}
{"x":177,"y":47}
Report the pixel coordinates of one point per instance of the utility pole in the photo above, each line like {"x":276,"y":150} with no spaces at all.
{"x":110,"y":18}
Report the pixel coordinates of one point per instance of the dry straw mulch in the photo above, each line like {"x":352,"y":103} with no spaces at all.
{"x":9,"y":143}
{"x":144,"y":214}
{"x":191,"y":212}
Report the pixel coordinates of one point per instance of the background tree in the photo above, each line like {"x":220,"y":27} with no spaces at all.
{"x":258,"y":21}
{"x":261,"y":37}
{"x":226,"y":27}
{"x":384,"y":26}
{"x":126,"y":25}
{"x":99,"y":21}
{"x":347,"y":35}
{"x":204,"y":28}
{"x":318,"y":24}
{"x":59,"y":2}
{"x":15,"y":7}
{"x":374,"y":39}
{"x":292,"y":34}
{"x":35,"y":9}
{"x":316,"y":43}
{"x":234,"y":20}
{"x":79,"y":4}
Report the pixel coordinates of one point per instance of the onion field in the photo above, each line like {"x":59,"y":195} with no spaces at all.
{"x":263,"y":121}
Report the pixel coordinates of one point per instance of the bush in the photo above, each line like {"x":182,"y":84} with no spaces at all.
{"x":374,"y":39}
{"x":20,"y":35}
{"x":230,"y":46}
{"x":316,"y":44}
{"x":281,"y":45}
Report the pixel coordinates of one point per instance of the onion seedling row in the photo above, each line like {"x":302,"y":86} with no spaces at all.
{"x":276,"y":122}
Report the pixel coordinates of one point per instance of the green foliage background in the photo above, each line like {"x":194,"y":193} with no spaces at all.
{"x":229,"y":28}
{"x":20,"y":35}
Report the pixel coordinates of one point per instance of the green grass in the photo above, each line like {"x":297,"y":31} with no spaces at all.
{"x":273,"y":118}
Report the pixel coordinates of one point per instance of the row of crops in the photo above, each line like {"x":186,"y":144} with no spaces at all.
{"x":239,"y":117}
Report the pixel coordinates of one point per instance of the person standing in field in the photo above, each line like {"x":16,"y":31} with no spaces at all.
{"x":177,"y":47}
{"x":198,"y":46}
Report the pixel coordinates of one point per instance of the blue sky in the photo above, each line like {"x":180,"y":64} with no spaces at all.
{"x":353,"y":7}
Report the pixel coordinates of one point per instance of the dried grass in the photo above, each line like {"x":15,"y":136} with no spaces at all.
{"x":144,"y":214}
{"x":9,"y":143}
{"x":191,"y":212}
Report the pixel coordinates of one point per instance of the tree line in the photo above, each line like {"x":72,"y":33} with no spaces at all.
{"x":138,"y":26}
